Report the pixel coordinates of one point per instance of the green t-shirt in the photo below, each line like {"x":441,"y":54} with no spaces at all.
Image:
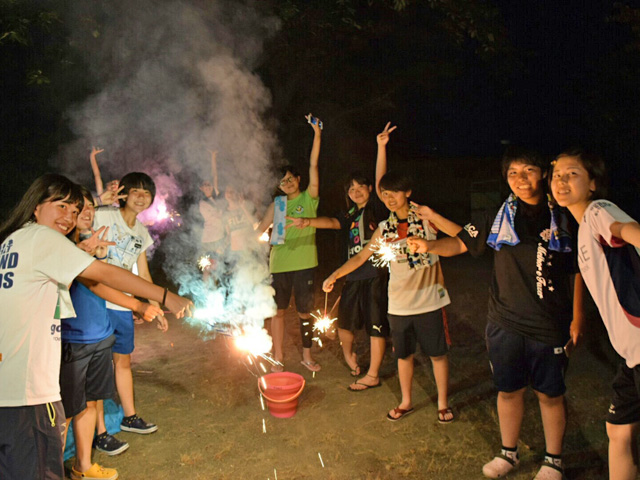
{"x":299,"y":249}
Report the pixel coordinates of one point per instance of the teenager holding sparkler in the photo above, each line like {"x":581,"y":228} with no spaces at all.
{"x":294,"y":258}
{"x":608,"y":243}
{"x":530,"y":315}
{"x":417,"y":295}
{"x":363,"y":301}
{"x":38,"y":260}
{"x":86,"y":372}
{"x":131,"y":239}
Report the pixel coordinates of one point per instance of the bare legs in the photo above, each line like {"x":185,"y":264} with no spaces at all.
{"x":277,"y":335}
{"x":623,"y":451}
{"x":405,"y":374}
{"x":552,"y":411}
{"x":124,"y":382}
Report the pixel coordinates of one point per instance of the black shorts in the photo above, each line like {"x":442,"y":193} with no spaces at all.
{"x":429,"y":329}
{"x":625,"y":402}
{"x":301,"y":282}
{"x":364,"y":304}
{"x":86,"y":374}
{"x":517,"y":361}
{"x":31,"y":442}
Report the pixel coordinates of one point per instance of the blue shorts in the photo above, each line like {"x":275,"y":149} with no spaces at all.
{"x":122,"y":324}
{"x":517,"y":361}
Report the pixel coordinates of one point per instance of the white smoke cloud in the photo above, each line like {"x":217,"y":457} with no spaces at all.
{"x":175,"y":79}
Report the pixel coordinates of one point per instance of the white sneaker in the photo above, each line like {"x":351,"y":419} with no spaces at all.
{"x":500,"y":465}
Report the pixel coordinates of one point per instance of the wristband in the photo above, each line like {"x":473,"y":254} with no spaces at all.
{"x":100,"y":258}
{"x":164,"y":297}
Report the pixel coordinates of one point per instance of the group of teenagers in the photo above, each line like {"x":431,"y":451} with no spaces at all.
{"x":66,"y":341}
{"x":554,"y":234}
{"x":68,"y":329}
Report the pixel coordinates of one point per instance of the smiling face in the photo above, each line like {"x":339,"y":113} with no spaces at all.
{"x":525,"y":181}
{"x":570,"y":182}
{"x":138,"y":200}
{"x":58,"y":215}
{"x":85,"y":218}
{"x":207,"y":189}
{"x":289,"y":184}
{"x":397,"y":202}
{"x":359,"y":194}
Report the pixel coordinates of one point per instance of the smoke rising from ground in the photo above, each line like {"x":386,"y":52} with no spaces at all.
{"x":174,"y":81}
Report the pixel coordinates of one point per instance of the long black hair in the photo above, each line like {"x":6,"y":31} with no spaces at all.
{"x":50,"y":187}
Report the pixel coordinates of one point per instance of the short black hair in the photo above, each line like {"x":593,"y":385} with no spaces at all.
{"x":395,"y":182}
{"x":288,"y":168}
{"x":137,"y":180}
{"x":515,"y":153}
{"x":595,"y":167}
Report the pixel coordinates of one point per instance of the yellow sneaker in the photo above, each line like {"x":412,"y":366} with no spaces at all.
{"x":95,"y":472}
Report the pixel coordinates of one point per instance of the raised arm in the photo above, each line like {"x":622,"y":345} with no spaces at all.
{"x":96,"y":170}
{"x":317,"y":222}
{"x":629,"y":232}
{"x":314,"y":177}
{"x":444,"y":225}
{"x":353,"y":263}
{"x":214,"y":171}
{"x":381,"y":160}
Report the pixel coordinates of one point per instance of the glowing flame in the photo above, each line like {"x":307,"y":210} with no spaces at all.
{"x":159,"y":212}
{"x":254,"y":341}
{"x":204,"y":262}
{"x":384,"y":252}
{"x":322,"y":324}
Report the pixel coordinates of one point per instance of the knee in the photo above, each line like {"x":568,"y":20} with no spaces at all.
{"x":511,"y":396}
{"x":621,"y":435}
{"x":549,"y":401}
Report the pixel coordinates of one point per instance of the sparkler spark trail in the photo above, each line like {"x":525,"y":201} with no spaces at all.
{"x":204,"y":262}
{"x":384,"y":252}
{"x":320,"y":457}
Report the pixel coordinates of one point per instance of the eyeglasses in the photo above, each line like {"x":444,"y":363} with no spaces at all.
{"x":287,"y":180}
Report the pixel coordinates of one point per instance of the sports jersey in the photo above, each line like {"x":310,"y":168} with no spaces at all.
{"x":239,"y":225}
{"x":359,"y":224}
{"x":530,"y":292}
{"x":130,"y":242}
{"x":415,"y":290}
{"x":299,"y":249}
{"x":35,"y":262}
{"x":611,"y":270}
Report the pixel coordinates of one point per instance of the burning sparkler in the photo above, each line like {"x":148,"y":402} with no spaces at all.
{"x":323,"y":323}
{"x":204,"y":262}
{"x":384,"y":252}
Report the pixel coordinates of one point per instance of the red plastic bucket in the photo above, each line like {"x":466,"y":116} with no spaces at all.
{"x":281,"y":390}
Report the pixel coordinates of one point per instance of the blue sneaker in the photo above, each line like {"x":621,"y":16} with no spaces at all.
{"x":135,"y":424}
